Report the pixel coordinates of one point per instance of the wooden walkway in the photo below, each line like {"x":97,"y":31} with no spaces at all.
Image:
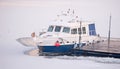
{"x":103,"y":46}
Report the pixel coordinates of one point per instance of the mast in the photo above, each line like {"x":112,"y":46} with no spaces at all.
{"x":80,"y":35}
{"x":109,"y":32}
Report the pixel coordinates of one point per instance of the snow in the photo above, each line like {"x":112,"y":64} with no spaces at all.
{"x":12,"y":57}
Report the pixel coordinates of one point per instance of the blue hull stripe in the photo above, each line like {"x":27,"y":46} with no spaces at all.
{"x":60,"y":49}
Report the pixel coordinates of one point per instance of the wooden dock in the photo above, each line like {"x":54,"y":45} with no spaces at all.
{"x":102,"y":46}
{"x":100,"y":49}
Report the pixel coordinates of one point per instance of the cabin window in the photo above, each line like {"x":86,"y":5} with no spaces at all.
{"x":92,"y":30}
{"x":66,"y":29}
{"x":50,"y":29}
{"x":84,"y":30}
{"x":79,"y":31}
{"x":74,"y":31}
{"x":57,"y":28}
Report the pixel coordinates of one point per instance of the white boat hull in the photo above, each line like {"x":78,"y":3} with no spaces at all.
{"x":27,"y":41}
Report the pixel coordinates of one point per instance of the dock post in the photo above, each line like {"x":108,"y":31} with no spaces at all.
{"x":109,"y":32}
{"x":80,"y":35}
{"x":93,"y":44}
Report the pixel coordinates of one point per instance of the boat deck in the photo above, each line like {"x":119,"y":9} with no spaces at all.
{"x":114,"y":46}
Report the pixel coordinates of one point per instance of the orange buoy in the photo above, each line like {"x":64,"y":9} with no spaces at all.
{"x":33,"y":34}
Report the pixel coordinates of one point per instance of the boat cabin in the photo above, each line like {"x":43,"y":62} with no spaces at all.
{"x":86,"y":29}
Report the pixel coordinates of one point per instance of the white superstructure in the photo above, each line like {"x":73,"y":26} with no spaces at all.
{"x":67,"y":28}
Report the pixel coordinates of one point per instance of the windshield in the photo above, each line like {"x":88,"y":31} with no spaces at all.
{"x":84,"y":30}
{"x":50,"y":29}
{"x":66,"y":29}
{"x":57,"y":28}
{"x":74,"y":31}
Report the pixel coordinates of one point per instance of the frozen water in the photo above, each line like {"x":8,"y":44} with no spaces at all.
{"x":12,"y":57}
{"x":95,"y":59}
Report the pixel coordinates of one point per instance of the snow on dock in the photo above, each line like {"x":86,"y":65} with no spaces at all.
{"x":103,"y":46}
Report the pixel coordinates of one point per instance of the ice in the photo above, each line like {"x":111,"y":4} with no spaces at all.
{"x":12,"y":56}
{"x":90,"y":58}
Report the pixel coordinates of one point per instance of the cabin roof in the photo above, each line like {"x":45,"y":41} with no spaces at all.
{"x":72,"y":25}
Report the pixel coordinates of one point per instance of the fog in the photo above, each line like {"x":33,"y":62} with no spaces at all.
{"x":23,"y":17}
{"x":19,"y":18}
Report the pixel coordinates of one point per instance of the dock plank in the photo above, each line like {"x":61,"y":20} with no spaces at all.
{"x":103,"y":46}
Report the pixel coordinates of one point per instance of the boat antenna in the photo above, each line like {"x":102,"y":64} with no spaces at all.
{"x":109,"y":32}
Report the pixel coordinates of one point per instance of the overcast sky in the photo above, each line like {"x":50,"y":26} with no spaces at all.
{"x":21,"y":17}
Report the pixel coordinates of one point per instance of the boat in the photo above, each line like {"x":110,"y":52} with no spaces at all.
{"x":66,"y":33}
